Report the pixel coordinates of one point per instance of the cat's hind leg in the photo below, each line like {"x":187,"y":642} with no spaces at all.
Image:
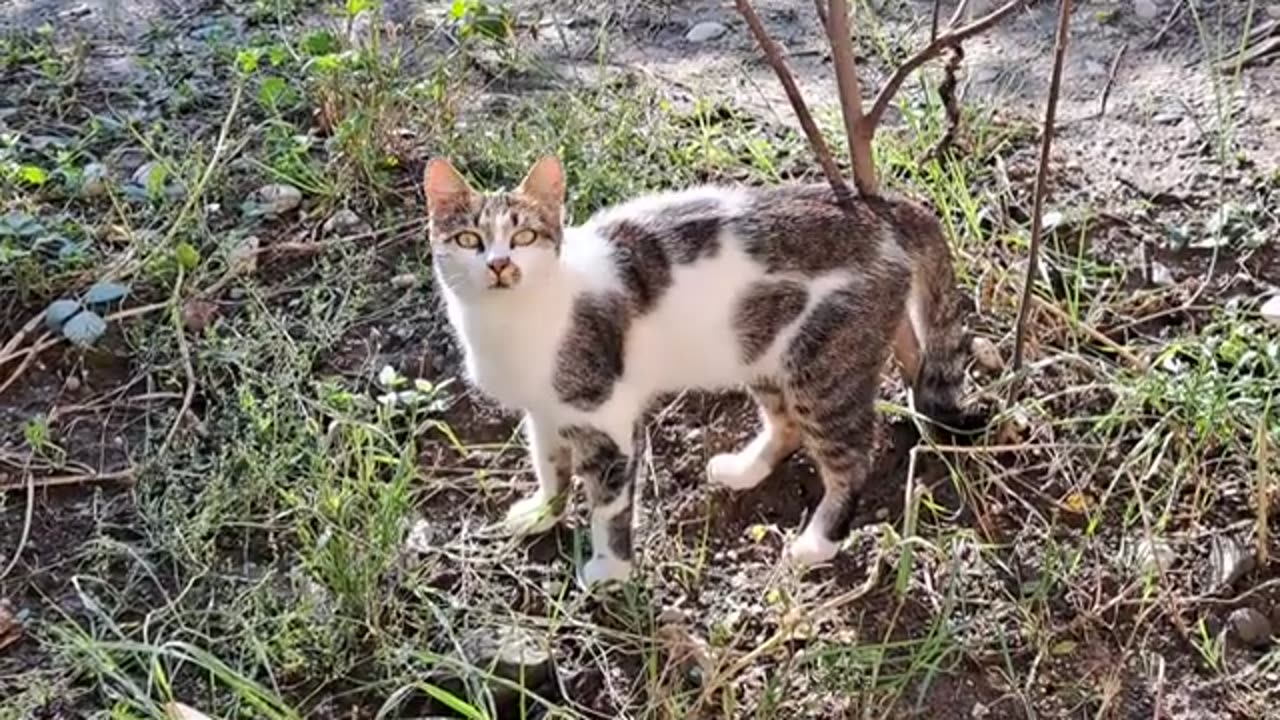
{"x":832,"y":375}
{"x":540,"y":511}
{"x":778,"y":438}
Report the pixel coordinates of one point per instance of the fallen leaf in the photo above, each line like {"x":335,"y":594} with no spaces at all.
{"x":10,"y":628}
{"x":244,"y":256}
{"x":84,"y":328}
{"x":1228,"y":562}
{"x":1078,"y":503}
{"x":197,"y":314}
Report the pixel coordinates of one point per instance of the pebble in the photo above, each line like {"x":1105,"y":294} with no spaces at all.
{"x":244,"y":257}
{"x":404,"y":281}
{"x":94,"y":181}
{"x":277,"y":199}
{"x":705,"y":31}
{"x":1274,"y":11}
{"x":72,"y":383}
{"x":1228,"y":562}
{"x":986,"y":354}
{"x":1146,"y":9}
{"x":345,"y":222}
{"x":1250,"y":627}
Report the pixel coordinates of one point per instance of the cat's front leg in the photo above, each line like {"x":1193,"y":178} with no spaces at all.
{"x":609,"y":472}
{"x":540,"y":511}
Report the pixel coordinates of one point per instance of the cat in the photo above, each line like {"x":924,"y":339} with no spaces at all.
{"x":780,"y":290}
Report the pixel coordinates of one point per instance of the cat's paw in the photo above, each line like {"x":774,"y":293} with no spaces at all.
{"x":603,"y":569}
{"x":533,"y":515}
{"x":736,"y":472}
{"x":811,"y":548}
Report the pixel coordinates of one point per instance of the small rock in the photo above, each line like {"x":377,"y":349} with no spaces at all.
{"x":1250,"y":627}
{"x":1151,"y":555}
{"x":276,"y":199}
{"x":345,"y":222}
{"x":93,"y":182}
{"x":421,"y":538}
{"x":1270,"y":310}
{"x":72,"y":383}
{"x":1228,"y":562}
{"x":1146,"y":9}
{"x":1274,"y":11}
{"x":404,"y":281}
{"x":1161,"y":274}
{"x":503,"y":660}
{"x":197,"y":314}
{"x":244,"y":257}
{"x":705,"y":31}
{"x":986,"y":354}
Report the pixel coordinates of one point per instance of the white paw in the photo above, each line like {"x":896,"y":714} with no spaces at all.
{"x":734,"y":471}
{"x":811,"y":548}
{"x":603,"y":569}
{"x":530,"y":516}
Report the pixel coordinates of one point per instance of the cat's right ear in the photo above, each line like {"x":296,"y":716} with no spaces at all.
{"x":444,"y":185}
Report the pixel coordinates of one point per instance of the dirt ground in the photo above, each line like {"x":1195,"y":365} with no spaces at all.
{"x":219,"y":511}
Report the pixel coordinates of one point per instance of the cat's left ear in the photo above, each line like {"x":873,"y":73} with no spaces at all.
{"x":545,"y":183}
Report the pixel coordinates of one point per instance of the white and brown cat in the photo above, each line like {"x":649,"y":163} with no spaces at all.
{"x":780,"y":290}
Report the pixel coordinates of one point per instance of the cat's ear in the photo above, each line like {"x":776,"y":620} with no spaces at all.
{"x":444,"y":186}
{"x":545,"y":183}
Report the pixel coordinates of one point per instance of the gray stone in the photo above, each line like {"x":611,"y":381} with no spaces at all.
{"x":1146,"y":9}
{"x":499,"y":660}
{"x":705,"y":31}
{"x":1250,"y":627}
{"x":277,"y":199}
{"x":345,"y":222}
{"x":1228,"y":562}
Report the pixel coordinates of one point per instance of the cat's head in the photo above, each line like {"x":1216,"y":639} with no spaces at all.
{"x":504,"y":242}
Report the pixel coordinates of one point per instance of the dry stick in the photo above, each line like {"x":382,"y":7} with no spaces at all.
{"x":933,"y":28}
{"x":64,"y":480}
{"x":19,"y":336}
{"x":774,"y":56}
{"x":1111,"y":80}
{"x":951,"y":38}
{"x":856,"y":127}
{"x":1042,"y":181}
{"x":1061,"y":315}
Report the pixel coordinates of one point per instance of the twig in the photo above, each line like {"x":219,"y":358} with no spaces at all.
{"x":48,"y":340}
{"x":1111,"y":80}
{"x":64,"y":480}
{"x":933,"y":26}
{"x":1174,"y":14}
{"x":1061,"y":315}
{"x":1042,"y":180}
{"x":951,"y":38}
{"x":26,"y":521}
{"x":774,"y":56}
{"x":850,"y":92}
{"x":188,"y":395}
{"x":947,"y":91}
{"x":19,"y":336}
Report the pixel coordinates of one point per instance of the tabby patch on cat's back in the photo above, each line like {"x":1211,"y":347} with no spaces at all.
{"x":778,"y":290}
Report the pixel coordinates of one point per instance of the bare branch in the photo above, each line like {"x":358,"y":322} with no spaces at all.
{"x":811,"y":131}
{"x":1042,"y":178}
{"x":933,"y":27}
{"x":855,"y":127}
{"x":951,"y":38}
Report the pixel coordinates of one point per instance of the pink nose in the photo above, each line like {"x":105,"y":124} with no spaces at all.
{"x":499,"y":264}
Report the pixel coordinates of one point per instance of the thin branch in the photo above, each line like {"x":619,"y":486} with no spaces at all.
{"x":959,"y":12}
{"x":850,"y":91}
{"x":951,"y":38}
{"x":1111,"y":80}
{"x":933,"y":27}
{"x":125,"y":476}
{"x":1042,"y":181}
{"x":811,"y":131}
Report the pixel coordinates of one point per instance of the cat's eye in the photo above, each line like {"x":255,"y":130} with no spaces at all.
{"x":524,"y":237}
{"x":467,"y":240}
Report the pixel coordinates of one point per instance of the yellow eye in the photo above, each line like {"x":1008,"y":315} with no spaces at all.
{"x":467,"y":240}
{"x":524,"y":237}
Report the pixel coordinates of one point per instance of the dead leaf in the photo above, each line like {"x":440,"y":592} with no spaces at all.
{"x":1078,"y":503}
{"x":10,"y":628}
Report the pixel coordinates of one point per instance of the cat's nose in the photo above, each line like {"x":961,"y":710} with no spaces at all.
{"x":499,"y":264}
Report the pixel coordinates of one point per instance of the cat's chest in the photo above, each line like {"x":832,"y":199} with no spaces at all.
{"x":513,"y":364}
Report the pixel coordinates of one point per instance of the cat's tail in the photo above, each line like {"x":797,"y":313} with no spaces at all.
{"x":932,"y":342}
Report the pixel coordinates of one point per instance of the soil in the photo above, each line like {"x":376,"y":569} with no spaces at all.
{"x":1146,"y":156}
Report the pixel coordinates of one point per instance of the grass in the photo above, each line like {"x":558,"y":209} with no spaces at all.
{"x":303,"y":549}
